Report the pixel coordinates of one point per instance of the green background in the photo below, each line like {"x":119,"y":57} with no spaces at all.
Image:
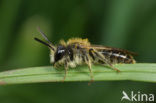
{"x":128,"y":24}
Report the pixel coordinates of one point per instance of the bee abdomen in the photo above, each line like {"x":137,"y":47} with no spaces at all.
{"x":114,"y":56}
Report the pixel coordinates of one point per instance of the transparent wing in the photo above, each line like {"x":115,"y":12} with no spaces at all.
{"x":98,"y":47}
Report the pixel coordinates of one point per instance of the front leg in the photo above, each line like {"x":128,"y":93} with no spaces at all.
{"x":66,"y":70}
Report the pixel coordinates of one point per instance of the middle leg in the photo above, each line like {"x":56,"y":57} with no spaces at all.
{"x":88,"y":62}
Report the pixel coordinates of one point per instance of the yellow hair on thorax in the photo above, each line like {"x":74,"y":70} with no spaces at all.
{"x":62,"y":42}
{"x":78,"y":41}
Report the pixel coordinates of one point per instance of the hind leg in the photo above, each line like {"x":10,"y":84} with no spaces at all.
{"x":102,"y":58}
{"x":117,"y":70}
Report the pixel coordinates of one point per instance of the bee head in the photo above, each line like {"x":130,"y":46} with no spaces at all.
{"x":60,"y":53}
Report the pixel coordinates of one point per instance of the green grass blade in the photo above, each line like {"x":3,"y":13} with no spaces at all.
{"x":135,"y":72}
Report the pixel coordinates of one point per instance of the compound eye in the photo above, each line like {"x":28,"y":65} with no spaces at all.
{"x":59,"y":53}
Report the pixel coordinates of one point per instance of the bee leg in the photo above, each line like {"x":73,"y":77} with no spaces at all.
{"x":55,"y":66}
{"x":117,"y":70}
{"x":91,"y":73}
{"x":66,"y":71}
{"x":101,"y":57}
{"x":88,"y":62}
{"x":111,"y":66}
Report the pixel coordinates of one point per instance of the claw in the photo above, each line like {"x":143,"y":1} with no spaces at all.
{"x":91,"y":81}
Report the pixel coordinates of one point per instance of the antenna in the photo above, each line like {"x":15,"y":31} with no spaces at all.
{"x":44,"y":43}
{"x":44,"y":36}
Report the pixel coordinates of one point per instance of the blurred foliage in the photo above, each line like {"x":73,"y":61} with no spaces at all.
{"x":128,"y":24}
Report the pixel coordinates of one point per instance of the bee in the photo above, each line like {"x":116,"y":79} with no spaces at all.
{"x":77,"y":51}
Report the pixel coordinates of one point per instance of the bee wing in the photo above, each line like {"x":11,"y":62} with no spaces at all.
{"x":98,"y":47}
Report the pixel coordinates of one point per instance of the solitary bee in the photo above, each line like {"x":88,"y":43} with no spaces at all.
{"x":77,"y":51}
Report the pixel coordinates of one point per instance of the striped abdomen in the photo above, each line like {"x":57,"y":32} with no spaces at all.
{"x":116,"y":56}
